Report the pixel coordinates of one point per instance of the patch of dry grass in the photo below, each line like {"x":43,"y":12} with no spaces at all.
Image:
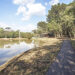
{"x":35,"y":61}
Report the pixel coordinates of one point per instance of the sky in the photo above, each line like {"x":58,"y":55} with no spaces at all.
{"x":24,"y":15}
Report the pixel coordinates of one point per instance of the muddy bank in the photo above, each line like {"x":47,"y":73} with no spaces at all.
{"x":35,"y":61}
{"x":13,"y":38}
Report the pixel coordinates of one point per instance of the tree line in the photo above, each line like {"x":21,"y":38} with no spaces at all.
{"x":9,"y":33}
{"x":60,"y":21}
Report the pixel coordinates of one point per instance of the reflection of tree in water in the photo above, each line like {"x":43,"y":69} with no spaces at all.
{"x":12,"y":42}
{"x":28,"y":41}
{"x":6,"y":42}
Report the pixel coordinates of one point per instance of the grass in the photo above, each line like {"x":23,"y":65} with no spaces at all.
{"x":73,"y":43}
{"x":35,"y":61}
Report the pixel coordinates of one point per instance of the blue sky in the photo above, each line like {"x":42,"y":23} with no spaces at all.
{"x":25,"y":14}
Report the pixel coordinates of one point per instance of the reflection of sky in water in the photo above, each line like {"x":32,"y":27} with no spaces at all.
{"x":12,"y":50}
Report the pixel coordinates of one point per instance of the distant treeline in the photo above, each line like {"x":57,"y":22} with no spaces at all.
{"x":60,"y":21}
{"x":8,"y":33}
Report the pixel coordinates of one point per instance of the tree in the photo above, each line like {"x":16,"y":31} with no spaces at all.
{"x":61,"y":19}
{"x":54,"y":19}
{"x":73,"y":0}
{"x":42,"y":27}
{"x":55,"y":12}
{"x":54,"y":28}
{"x":68,"y":21}
{"x":1,"y":32}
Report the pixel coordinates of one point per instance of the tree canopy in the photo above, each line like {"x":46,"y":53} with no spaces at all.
{"x":60,"y":21}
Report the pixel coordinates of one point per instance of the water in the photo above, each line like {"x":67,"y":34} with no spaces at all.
{"x":11,"y":48}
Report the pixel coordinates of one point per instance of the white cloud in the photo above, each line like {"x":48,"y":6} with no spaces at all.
{"x":3,"y":25}
{"x":23,"y":28}
{"x":20,"y":10}
{"x":54,"y":2}
{"x":29,"y":8}
{"x":12,"y":26}
{"x":25,"y":17}
{"x":36,"y":9}
{"x":23,"y":2}
{"x":28,"y":28}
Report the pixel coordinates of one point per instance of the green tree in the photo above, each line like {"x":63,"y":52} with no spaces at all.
{"x":68,"y":21}
{"x":55,"y":28}
{"x":42,"y":27}
{"x":1,"y":32}
{"x":55,"y":12}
